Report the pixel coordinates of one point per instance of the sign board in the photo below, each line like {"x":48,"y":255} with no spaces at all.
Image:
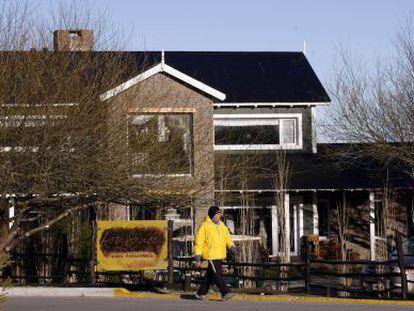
{"x":132,"y":245}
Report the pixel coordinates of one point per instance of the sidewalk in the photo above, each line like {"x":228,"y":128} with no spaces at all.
{"x":60,"y":292}
{"x":121,"y":292}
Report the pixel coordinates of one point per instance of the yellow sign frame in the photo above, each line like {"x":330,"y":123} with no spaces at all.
{"x":132,"y":245}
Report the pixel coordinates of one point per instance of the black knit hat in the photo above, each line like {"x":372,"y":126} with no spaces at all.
{"x":213,"y":210}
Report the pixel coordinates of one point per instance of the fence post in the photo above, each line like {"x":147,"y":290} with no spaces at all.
{"x":62,"y":259}
{"x":307,"y":265}
{"x":92,"y":262}
{"x":187,"y":282}
{"x":400,"y":255}
{"x":170,"y":253}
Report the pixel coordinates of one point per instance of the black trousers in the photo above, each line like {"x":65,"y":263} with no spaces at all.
{"x":214,"y":275}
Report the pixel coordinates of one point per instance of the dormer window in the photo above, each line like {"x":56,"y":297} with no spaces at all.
{"x":257,"y":131}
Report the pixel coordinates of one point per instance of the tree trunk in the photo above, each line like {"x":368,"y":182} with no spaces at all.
{"x":4,"y":220}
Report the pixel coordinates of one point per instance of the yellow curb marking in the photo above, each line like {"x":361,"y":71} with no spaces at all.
{"x":122,"y":292}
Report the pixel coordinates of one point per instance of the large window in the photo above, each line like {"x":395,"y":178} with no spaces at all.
{"x":246,"y":132}
{"x":257,"y":131}
{"x":30,"y":128}
{"x":160,"y":144}
{"x":308,"y":219}
{"x":323,"y":217}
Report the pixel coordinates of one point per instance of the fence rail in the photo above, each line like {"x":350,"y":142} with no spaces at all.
{"x":387,"y":279}
{"x":384,"y":274}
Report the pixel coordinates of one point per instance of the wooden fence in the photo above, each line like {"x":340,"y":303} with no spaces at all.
{"x":385,"y":279}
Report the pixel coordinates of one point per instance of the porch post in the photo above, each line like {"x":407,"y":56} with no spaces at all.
{"x":287,"y":226}
{"x":372,"y":224}
{"x":296,"y":238}
{"x":301,"y":222}
{"x":275,"y":230}
{"x":315,"y":213}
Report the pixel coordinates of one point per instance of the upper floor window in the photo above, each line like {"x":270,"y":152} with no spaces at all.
{"x":34,"y":127}
{"x":160,"y":144}
{"x":257,"y":131}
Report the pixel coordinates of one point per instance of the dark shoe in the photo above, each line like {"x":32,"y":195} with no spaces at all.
{"x":200,"y":297}
{"x":227,"y":296}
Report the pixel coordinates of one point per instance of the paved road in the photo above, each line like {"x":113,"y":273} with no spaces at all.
{"x":126,"y":304}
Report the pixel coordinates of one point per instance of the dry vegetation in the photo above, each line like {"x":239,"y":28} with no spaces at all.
{"x":60,"y":144}
{"x":373,"y":108}
{"x":372,"y":111}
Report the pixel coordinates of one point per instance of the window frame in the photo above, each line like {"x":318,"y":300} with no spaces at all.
{"x":272,"y":118}
{"x":163,"y":112}
{"x":31,"y":120}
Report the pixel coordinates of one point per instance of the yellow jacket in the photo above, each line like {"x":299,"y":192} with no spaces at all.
{"x":211,"y":240}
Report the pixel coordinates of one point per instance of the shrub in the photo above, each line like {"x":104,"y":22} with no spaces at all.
{"x":4,"y":261}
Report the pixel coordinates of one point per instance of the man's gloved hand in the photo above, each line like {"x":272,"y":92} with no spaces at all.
{"x":197,"y":259}
{"x":233,"y":251}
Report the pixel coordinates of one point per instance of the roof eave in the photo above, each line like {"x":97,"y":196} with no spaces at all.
{"x":163,"y":68}
{"x":272,"y":104}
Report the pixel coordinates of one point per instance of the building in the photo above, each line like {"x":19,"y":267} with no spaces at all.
{"x":226,"y":122}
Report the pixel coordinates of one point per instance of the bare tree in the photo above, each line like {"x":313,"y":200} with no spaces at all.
{"x":342,"y":217}
{"x":4,"y":261}
{"x":281,"y":184}
{"x":63,"y":150}
{"x":373,"y":108}
{"x":50,"y":128}
{"x":234,"y":172}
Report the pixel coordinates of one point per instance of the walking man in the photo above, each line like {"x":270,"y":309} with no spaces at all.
{"x":211,"y":243}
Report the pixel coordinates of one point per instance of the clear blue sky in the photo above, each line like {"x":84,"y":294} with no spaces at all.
{"x":365,"y":27}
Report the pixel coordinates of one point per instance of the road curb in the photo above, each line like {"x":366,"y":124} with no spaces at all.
{"x":43,"y":291}
{"x":121,"y":292}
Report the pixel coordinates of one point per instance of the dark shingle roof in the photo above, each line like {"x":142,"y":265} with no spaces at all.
{"x":244,"y":77}
{"x":320,"y":171}
{"x":252,"y":76}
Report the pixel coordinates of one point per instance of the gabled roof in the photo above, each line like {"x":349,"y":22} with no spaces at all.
{"x":251,"y":77}
{"x":164,"y":68}
{"x":245,"y":77}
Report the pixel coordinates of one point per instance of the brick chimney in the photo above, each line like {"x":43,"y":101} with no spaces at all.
{"x":73,"y":40}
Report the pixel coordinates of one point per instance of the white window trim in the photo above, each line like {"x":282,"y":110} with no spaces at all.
{"x":257,"y":147}
{"x":11,"y":105}
{"x":159,"y":175}
{"x":245,"y":119}
{"x":4,"y":149}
